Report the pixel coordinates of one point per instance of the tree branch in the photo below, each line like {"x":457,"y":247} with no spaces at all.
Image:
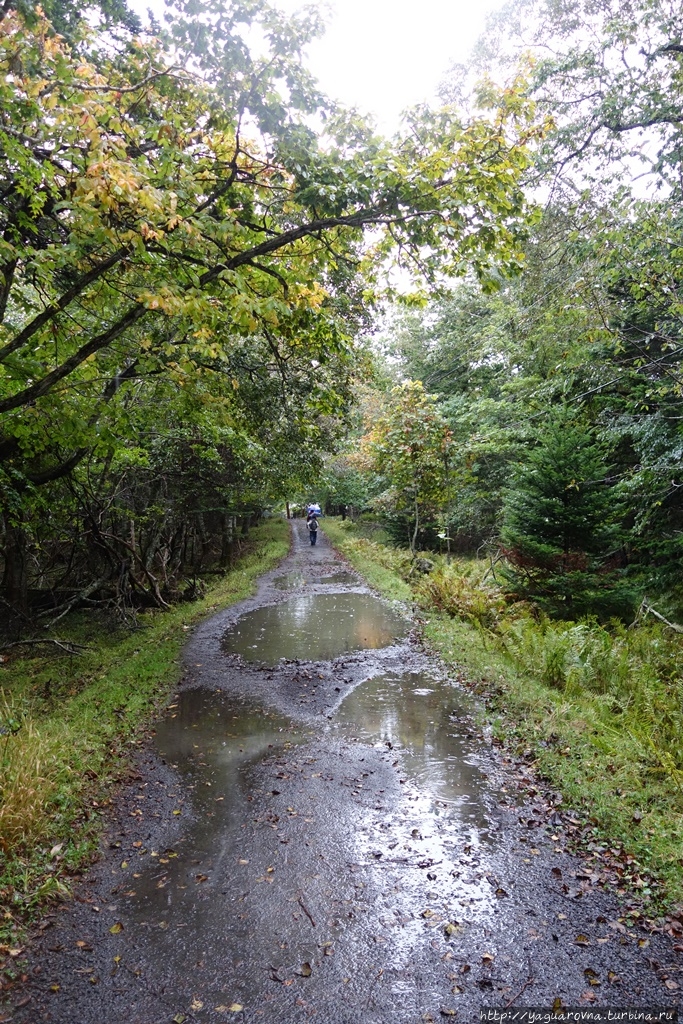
{"x":100,"y":341}
{"x":56,"y":307}
{"x":374,"y":215}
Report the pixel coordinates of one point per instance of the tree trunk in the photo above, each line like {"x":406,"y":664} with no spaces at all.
{"x":227,"y":538}
{"x":413,"y":542}
{"x":15,"y":580}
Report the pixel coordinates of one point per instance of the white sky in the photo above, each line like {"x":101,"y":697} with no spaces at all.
{"x":385,"y":55}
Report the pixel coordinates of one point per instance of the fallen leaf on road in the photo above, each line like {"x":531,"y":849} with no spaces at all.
{"x":488,"y":958}
{"x":671,"y":985}
{"x":582,"y":940}
{"x":196,"y":1004}
{"x":305,"y":971}
{"x":179,"y":1018}
{"x":452,"y":928}
{"x":116,"y":928}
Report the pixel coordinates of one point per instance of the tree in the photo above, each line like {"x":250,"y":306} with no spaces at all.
{"x":409,"y":448}
{"x":609,"y":73}
{"x":558,"y":522}
{"x":67,"y":16}
{"x":172,"y":223}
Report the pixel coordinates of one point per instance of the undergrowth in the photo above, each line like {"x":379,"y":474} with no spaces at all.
{"x":67,"y":724}
{"x":599,"y":708}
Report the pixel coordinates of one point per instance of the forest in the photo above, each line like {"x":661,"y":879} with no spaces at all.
{"x":211,"y":272}
{"x":221,"y":292}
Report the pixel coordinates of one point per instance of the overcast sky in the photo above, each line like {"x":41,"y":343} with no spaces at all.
{"x":385,"y":55}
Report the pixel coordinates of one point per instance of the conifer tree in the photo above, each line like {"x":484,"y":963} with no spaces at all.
{"x":560,"y":529}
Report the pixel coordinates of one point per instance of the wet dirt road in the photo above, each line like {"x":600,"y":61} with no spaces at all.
{"x":319,"y":830}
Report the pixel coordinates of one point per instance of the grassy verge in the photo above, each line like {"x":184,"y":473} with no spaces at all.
{"x":599,"y":710}
{"x":68,"y":722}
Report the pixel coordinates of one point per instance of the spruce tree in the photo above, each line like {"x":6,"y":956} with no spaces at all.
{"x":560,"y":523}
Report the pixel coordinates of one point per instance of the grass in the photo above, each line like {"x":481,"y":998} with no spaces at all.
{"x":599,"y":709}
{"x":67,"y":725}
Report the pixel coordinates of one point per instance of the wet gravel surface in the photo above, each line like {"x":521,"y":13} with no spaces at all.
{"x":331,"y":838}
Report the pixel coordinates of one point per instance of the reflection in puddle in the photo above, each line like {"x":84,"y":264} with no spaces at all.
{"x":445,"y":839}
{"x":289,"y":581}
{"x":213,"y":741}
{"x":341,"y":577}
{"x":232,"y":895}
{"x":315,"y":627}
{"x":425,"y":726}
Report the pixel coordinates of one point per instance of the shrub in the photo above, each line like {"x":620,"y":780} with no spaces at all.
{"x":458,"y":590}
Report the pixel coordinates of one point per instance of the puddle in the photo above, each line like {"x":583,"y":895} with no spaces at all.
{"x":234,"y":894}
{"x":213,"y":741}
{"x":314,"y":627}
{"x":445,"y":838}
{"x":289,"y":581}
{"x":424,"y":720}
{"x":341,"y":577}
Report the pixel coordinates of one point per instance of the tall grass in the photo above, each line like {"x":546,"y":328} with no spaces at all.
{"x":28,"y":777}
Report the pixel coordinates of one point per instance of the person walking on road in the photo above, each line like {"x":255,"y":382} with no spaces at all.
{"x":313,"y":529}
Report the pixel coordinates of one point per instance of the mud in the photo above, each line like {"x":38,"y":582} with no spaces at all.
{"x":320,"y":831}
